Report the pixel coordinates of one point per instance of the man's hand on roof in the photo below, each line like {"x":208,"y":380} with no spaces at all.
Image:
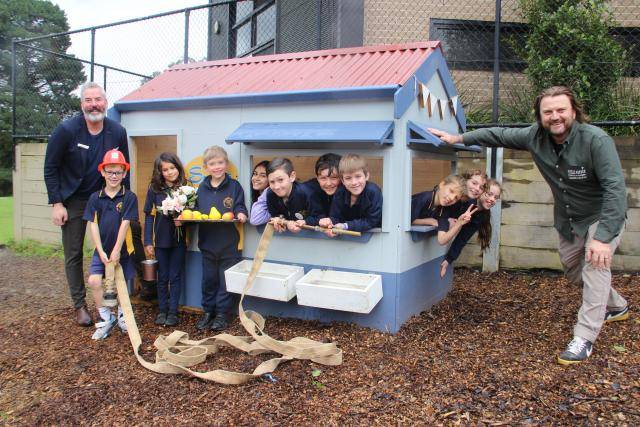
{"x":446,"y":137}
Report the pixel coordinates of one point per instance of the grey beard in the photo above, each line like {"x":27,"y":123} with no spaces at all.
{"x":94,"y":117}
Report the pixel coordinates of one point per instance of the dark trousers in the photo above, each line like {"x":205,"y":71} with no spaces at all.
{"x":138,"y":248}
{"x":215,"y":298}
{"x":73,"y":232}
{"x":170,"y":267}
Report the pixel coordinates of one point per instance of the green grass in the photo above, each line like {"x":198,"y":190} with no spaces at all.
{"x":33,"y":248}
{"x":6,"y":220}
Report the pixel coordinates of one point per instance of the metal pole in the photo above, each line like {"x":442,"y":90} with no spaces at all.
{"x":185,"y":59}
{"x":104,"y":79}
{"x":13,"y":101}
{"x":93,"y":53}
{"x":491,"y":257}
{"x":496,"y":80}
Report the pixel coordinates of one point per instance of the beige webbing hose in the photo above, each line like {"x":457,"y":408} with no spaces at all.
{"x":176,"y":353}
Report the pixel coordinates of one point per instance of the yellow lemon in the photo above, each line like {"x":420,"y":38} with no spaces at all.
{"x":205,"y":217}
{"x":186,"y":214}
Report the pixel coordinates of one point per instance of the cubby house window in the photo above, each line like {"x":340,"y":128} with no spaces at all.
{"x":426,"y":174}
{"x":305,"y":170}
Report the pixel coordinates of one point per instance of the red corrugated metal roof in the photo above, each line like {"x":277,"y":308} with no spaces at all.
{"x":368,"y":66}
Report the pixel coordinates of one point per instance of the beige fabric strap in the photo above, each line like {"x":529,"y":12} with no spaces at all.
{"x":177,"y":354}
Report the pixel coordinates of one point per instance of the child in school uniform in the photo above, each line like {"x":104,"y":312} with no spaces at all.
{"x":109,"y":212}
{"x":480,"y":222}
{"x":162,"y":239}
{"x":219,"y":242}
{"x":434,"y":208}
{"x":322,"y":188}
{"x":357,"y":205}
{"x":259,"y":213}
{"x":287,"y":199}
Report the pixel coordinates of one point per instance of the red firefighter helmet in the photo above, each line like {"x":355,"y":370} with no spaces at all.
{"x":113,"y":157}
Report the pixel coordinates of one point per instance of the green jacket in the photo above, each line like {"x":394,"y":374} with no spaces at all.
{"x":585,"y":177}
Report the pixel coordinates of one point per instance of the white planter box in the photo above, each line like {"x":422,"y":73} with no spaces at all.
{"x":340,"y":290}
{"x":274,"y":281}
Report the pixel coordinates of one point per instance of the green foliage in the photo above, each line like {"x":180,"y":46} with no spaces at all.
{"x":6,"y":219}
{"x":44,"y":82}
{"x":569,"y":44}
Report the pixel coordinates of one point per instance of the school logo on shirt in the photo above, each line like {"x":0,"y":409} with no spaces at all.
{"x":227,"y":202}
{"x":119,"y":207}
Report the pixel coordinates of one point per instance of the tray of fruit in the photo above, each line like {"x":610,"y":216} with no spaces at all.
{"x":213,"y":216}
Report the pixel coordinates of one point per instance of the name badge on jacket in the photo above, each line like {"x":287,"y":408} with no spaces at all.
{"x":577,"y":173}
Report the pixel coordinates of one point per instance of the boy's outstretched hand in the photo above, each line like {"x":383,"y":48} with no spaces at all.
{"x":446,"y":137}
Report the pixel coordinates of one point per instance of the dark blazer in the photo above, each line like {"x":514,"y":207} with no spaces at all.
{"x":64,"y":163}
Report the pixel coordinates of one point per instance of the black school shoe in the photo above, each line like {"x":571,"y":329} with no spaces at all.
{"x":220,"y":323}
{"x":205,"y":321}
{"x":161,"y":318}
{"x":172,"y":320}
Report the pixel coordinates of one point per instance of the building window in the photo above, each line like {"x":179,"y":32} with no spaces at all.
{"x":468,"y":44}
{"x":254,"y":27}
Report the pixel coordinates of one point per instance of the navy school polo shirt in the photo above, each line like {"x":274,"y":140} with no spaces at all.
{"x":366,"y":212}
{"x":298,"y":202}
{"x":109,"y":213}
{"x":319,"y":201}
{"x":422,"y":206}
{"x":159,"y":229}
{"x":219,"y":238}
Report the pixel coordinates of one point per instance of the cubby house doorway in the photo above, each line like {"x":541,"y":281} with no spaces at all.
{"x":145,"y":151}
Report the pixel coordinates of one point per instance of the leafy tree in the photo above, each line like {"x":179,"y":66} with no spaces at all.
{"x":570,"y":44}
{"x":44,"y":81}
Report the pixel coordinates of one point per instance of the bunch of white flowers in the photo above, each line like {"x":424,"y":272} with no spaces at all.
{"x":179,"y":199}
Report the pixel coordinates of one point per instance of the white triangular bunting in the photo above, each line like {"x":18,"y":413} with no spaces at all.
{"x":425,"y":94}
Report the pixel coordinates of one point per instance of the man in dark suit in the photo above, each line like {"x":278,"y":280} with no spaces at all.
{"x":76,"y":148}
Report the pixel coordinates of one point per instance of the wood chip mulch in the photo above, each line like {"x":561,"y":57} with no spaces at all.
{"x":485,"y":355}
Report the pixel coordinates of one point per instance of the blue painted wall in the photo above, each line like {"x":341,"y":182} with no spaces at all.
{"x":404,"y":295}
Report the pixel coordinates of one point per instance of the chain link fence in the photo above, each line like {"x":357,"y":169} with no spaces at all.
{"x":490,"y":67}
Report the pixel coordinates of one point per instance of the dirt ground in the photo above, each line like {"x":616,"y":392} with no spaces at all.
{"x":483,"y":356}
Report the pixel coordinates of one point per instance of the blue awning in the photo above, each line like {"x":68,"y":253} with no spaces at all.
{"x":378,"y":132}
{"x":420,"y":138}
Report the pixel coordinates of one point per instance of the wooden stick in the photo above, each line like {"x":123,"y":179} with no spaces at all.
{"x":334,"y":230}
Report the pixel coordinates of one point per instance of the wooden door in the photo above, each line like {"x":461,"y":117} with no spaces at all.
{"x":147,"y":148}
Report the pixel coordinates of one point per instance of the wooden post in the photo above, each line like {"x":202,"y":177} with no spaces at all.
{"x":17,"y":195}
{"x":491,"y":257}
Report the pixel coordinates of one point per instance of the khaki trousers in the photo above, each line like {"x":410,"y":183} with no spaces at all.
{"x":598,"y":295}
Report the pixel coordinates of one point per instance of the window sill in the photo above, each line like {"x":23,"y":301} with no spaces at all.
{"x":421,"y":232}
{"x":366,"y":236}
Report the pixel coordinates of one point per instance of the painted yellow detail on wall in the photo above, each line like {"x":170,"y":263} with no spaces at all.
{"x":195,"y":171}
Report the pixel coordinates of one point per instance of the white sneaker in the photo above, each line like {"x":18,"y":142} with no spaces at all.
{"x":121,"y":323}
{"x":103,"y":329}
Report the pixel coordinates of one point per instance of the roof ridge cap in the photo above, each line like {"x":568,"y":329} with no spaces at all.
{"x":307,"y":55}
